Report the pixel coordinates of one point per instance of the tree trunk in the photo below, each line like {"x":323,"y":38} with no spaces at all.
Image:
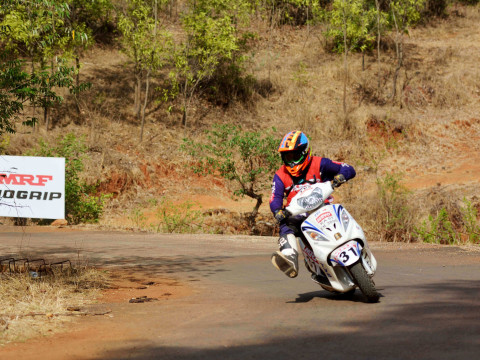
{"x":46,"y":117}
{"x":345,"y":65}
{"x":135,"y":90}
{"x":399,"y":52}
{"x":147,"y":83}
{"x":138,"y":90}
{"x":35,"y":127}
{"x":77,"y":65}
{"x":184,"y":117}
{"x":377,"y":4}
{"x":257,"y":206}
{"x":253,"y":215}
{"x":149,"y":69}
{"x":402,"y":88}
{"x":77,"y":83}
{"x":155,"y":12}
{"x":186,"y":102}
{"x":188,"y":96}
{"x":345,"y":68}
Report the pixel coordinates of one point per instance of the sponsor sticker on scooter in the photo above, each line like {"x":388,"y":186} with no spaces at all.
{"x":323,"y":216}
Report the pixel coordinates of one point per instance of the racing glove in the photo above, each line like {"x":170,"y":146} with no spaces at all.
{"x":338,"y":180}
{"x":281,"y":215}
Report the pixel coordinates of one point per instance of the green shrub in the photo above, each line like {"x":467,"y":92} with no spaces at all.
{"x":438,"y":230}
{"x":138,"y":218}
{"x":396,"y":214}
{"x":181,"y":218}
{"x":247,"y":159}
{"x":445,"y":229}
{"x":469,"y":217}
{"x":80,"y":203}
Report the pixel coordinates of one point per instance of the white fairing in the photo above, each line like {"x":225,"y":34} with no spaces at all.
{"x":310,"y":197}
{"x":335,"y":240}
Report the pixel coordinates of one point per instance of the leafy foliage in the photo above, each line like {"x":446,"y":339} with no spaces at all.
{"x":351,"y":23}
{"x":355,"y":23}
{"x":443,"y":229}
{"x":88,"y":18}
{"x":177,"y":218}
{"x":169,"y":217}
{"x":471,"y":227}
{"x":406,"y":13}
{"x":438,"y":230}
{"x":80,"y":203}
{"x":396,"y":214}
{"x":46,"y":33}
{"x":146,"y":44}
{"x":138,"y":218}
{"x":46,"y":81}
{"x":213,"y":40}
{"x":35,"y":27}
{"x":139,"y":40}
{"x":16,"y":88}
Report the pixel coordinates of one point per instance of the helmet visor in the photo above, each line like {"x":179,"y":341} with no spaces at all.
{"x":293,"y":158}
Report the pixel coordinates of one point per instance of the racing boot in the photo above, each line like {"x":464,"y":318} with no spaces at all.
{"x":286,"y":259}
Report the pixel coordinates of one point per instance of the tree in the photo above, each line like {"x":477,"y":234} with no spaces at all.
{"x":148,"y":46}
{"x":404,"y":13}
{"x":39,"y":32}
{"x":351,"y":20}
{"x":16,"y":88}
{"x":28,"y":22}
{"x":212,"y":38}
{"x":380,"y":23}
{"x":46,"y":81}
{"x":85,"y":17}
{"x":245,"y":158}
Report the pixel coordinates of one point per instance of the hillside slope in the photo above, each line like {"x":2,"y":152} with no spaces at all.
{"x":430,"y":136}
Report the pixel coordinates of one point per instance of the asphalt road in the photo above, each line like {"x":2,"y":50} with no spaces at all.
{"x":243,"y":308}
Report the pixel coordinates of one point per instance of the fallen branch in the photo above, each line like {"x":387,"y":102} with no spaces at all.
{"x":74,"y":313}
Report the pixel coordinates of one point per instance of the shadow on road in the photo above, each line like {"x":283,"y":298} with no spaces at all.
{"x":446,"y":327}
{"x":187,"y":266}
{"x":351,"y":297}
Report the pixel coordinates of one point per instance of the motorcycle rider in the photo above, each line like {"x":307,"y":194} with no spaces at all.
{"x":299,"y":169}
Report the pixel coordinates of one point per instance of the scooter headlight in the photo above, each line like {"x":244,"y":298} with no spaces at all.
{"x":316,"y":236}
{"x":345,"y":220}
{"x":312,"y":200}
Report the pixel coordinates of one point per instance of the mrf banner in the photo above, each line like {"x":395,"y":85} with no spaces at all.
{"x":32,"y":187}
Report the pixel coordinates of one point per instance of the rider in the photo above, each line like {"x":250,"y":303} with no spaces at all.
{"x":300,"y":168}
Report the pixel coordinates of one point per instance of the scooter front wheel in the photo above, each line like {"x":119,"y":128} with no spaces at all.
{"x":364,"y":282}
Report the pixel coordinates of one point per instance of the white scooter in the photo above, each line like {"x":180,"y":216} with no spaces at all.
{"x":333,"y":244}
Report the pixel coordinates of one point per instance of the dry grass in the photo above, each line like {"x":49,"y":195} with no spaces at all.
{"x":38,"y":306}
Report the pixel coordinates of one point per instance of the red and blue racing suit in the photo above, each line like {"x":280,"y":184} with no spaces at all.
{"x":286,"y":186}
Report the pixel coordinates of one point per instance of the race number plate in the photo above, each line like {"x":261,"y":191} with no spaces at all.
{"x":347,"y":254}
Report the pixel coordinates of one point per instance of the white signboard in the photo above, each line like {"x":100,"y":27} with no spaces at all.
{"x":32,"y":187}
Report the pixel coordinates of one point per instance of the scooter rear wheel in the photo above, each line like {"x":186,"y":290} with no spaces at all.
{"x":364,"y":282}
